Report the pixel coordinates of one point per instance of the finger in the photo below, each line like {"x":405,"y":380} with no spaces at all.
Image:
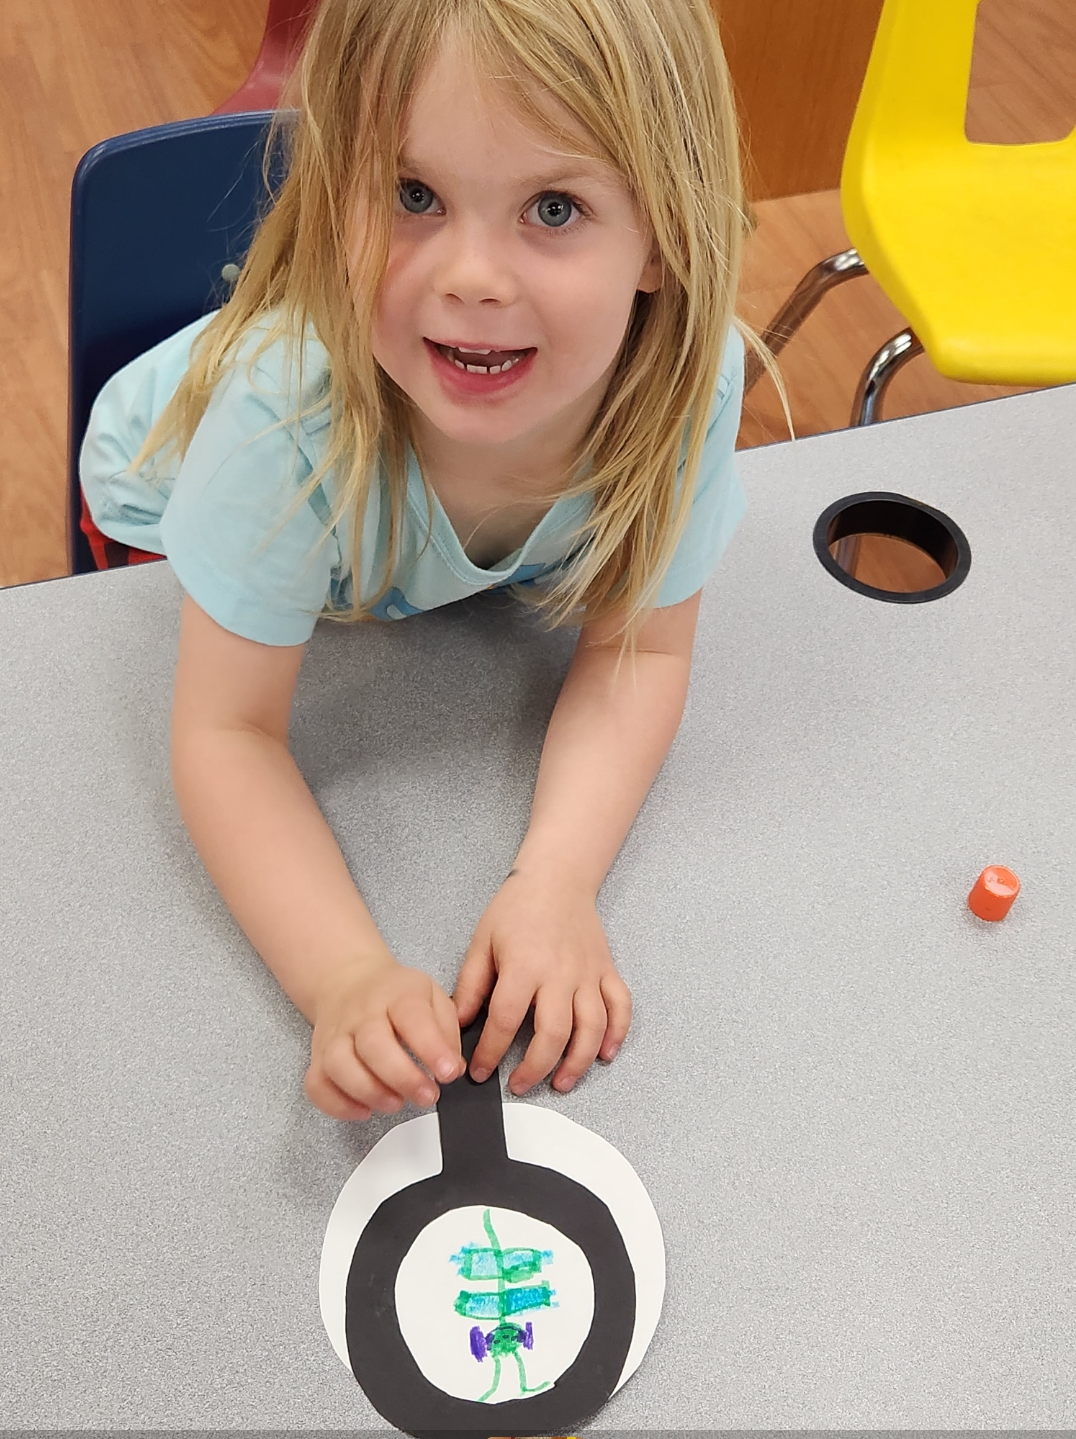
{"x":617,"y":998}
{"x":381,"y":1051}
{"x":417,"y":1023}
{"x":590,"y":1025}
{"x":325,"y":1095}
{"x":552,"y":1031}
{"x":508,"y":1007}
{"x":343,"y":1067}
{"x":476,"y":979}
{"x":449,"y":1022}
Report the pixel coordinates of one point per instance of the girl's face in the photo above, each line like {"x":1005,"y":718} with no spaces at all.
{"x":512,"y":270}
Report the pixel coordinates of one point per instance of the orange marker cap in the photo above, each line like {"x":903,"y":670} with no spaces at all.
{"x":993,"y":892}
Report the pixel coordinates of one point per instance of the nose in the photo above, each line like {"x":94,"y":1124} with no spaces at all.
{"x":474,"y":267}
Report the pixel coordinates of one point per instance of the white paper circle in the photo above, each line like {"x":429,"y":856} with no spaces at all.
{"x":488,"y":1354}
{"x":411,"y":1152}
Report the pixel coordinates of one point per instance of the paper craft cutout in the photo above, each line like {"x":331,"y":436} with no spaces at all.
{"x":491,"y":1269}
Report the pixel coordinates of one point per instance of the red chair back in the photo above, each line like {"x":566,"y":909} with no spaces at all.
{"x":285,"y":30}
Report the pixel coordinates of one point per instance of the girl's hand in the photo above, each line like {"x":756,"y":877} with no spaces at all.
{"x":366,"y":1018}
{"x":541,"y":943}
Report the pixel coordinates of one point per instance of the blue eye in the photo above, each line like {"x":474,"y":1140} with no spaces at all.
{"x":554,"y":210}
{"x":415,"y":197}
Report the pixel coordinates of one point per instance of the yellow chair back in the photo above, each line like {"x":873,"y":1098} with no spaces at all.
{"x":974,"y":243}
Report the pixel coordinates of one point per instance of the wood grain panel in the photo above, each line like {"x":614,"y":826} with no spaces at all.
{"x":797,"y":67}
{"x":1023,"y":72}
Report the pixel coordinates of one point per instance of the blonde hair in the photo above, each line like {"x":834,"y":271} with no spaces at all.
{"x":646,"y":81}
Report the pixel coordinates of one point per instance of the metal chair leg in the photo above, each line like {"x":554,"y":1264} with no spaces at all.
{"x":816,"y":283}
{"x":874,"y":382}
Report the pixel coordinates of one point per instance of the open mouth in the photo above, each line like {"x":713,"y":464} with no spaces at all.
{"x":482,"y":362}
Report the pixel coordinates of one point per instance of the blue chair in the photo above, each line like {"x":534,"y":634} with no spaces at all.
{"x":161,"y":219}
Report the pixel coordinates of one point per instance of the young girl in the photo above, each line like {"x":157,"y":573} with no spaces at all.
{"x":483,"y":339}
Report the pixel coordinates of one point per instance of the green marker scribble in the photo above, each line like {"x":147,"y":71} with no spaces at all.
{"x":519,"y":1290}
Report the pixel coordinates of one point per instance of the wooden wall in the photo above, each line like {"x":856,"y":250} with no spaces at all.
{"x":797,"y":67}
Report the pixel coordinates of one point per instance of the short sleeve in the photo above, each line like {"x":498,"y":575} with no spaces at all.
{"x":244,"y":544}
{"x":719,"y":501}
{"x":127,"y":504}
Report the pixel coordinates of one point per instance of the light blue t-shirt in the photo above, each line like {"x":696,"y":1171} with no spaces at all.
{"x":265,"y":567}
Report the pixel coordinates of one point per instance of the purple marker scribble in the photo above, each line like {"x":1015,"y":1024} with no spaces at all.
{"x":528,"y":1336}
{"x":478,"y":1343}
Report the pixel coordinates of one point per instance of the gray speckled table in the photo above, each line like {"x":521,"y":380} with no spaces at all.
{"x":852,"y":1103}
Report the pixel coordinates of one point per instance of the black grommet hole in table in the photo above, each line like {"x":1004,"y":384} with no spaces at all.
{"x":889,"y":547}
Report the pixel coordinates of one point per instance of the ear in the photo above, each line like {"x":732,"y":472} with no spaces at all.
{"x":653,"y":272}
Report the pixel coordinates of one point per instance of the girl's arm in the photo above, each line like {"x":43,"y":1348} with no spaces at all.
{"x":540,"y":941}
{"x":272,"y":856}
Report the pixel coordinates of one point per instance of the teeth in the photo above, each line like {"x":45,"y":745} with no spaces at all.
{"x":485,"y":369}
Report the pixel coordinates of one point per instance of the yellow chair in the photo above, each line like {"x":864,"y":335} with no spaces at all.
{"x":975,"y":244}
